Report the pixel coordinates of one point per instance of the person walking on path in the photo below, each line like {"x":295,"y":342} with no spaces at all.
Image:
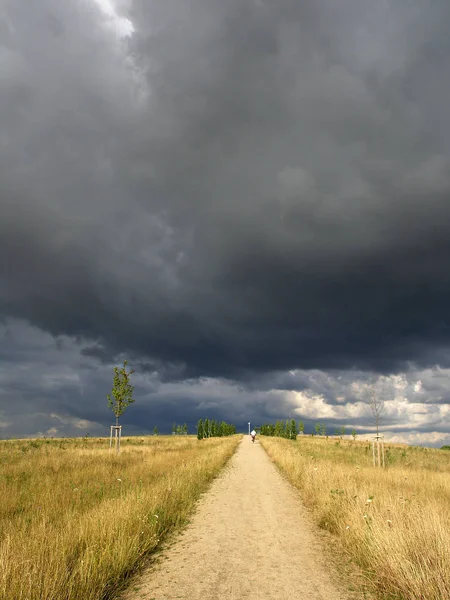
{"x":253,"y":434}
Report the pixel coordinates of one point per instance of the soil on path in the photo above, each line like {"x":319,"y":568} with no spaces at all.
{"x":250,"y":537}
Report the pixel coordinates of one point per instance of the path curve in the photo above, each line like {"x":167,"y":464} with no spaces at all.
{"x":250,"y":537}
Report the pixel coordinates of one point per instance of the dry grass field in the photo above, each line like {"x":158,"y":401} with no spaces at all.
{"x":75,"y":519}
{"x":394,"y":522}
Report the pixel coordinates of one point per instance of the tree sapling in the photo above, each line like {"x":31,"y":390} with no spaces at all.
{"x":121,"y":396}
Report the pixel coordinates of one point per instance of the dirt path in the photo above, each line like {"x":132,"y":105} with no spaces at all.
{"x":249,"y":538}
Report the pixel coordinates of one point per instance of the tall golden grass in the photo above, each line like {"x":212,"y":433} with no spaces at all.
{"x":394,"y":522}
{"x":76,"y":520}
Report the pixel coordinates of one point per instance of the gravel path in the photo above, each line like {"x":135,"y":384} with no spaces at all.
{"x":249,"y":538}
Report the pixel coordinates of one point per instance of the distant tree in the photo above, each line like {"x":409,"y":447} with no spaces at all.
{"x":122,"y":393}
{"x":323,"y":430}
{"x":293,"y":430}
{"x":174,"y":428}
{"x":301,"y":427}
{"x":287,"y":429}
{"x":354,"y":434}
{"x":278,"y":431}
{"x":185,"y":429}
{"x":268,"y":429}
{"x":342,"y":431}
{"x":155,"y":430}
{"x":207,"y":427}
{"x":318,"y":428}
{"x":200,"y":430}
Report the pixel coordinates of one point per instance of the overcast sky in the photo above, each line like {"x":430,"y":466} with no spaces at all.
{"x":248,"y":199}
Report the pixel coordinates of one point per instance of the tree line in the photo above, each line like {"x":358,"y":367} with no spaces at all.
{"x":320,"y":429}
{"x":207,"y":429}
{"x":290,"y":430}
{"x":179,"y":429}
{"x":287,"y":429}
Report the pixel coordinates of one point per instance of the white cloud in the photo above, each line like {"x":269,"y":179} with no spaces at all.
{"x":68,"y":421}
{"x":122,"y":26}
{"x":418,"y":438}
{"x":344,"y":400}
{"x":316,"y":407}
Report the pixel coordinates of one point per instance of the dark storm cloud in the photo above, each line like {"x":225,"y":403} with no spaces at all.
{"x":237,"y":187}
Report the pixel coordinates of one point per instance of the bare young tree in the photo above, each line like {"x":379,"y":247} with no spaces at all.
{"x":376,"y":396}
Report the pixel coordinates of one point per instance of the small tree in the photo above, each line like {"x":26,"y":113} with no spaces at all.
{"x":323,"y":430}
{"x":354,"y":434}
{"x":200,"y":429}
{"x":376,"y":396}
{"x":206,"y":429}
{"x":122,"y":393}
{"x":155,"y":430}
{"x":301,"y":427}
{"x":318,"y":428}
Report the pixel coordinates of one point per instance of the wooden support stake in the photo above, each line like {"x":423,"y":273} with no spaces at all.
{"x":380,"y":460}
{"x":117,"y":437}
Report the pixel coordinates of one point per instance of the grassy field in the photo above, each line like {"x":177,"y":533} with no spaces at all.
{"x":394,"y":522}
{"x":76,"y":520}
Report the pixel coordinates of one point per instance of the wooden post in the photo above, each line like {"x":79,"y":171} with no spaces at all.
{"x":117,"y":436}
{"x":380,"y":457}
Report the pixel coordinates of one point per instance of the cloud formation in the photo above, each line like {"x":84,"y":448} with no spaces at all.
{"x":51,"y":387}
{"x":225,"y":192}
